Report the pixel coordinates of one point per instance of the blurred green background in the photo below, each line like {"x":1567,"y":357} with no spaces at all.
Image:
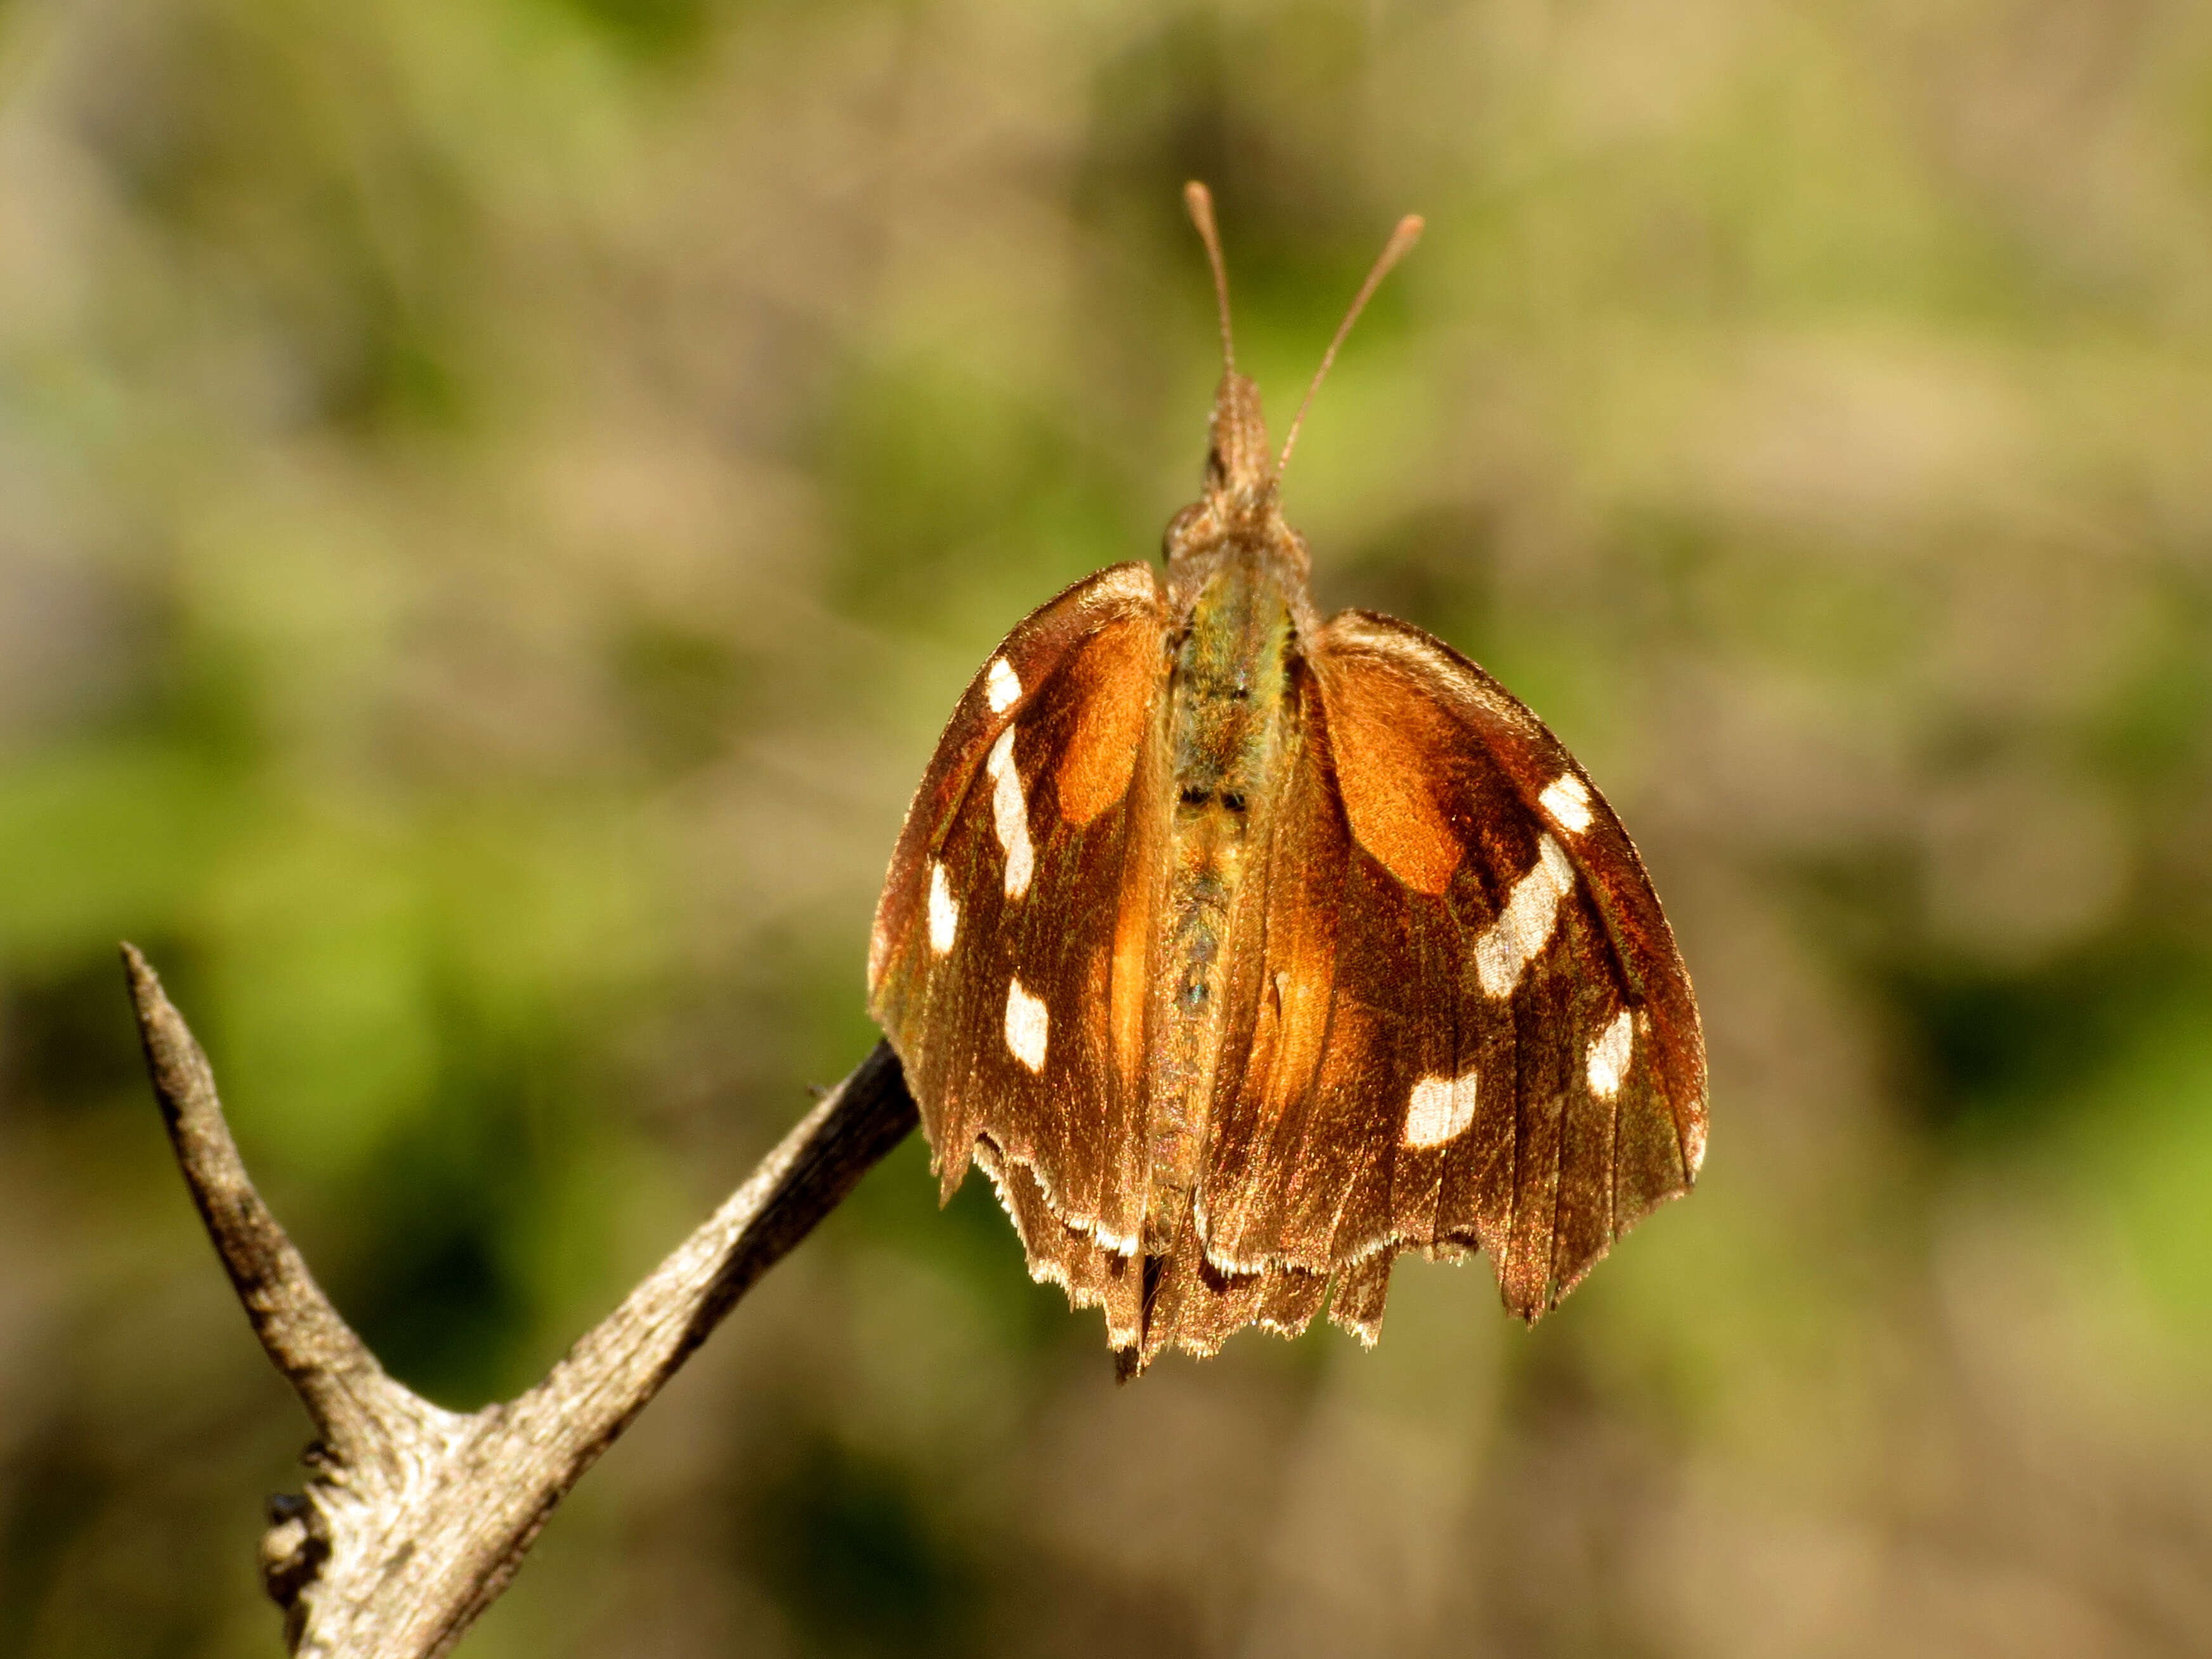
{"x":496,"y":500}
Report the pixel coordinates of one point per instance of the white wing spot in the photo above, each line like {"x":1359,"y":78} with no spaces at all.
{"x":1567,"y":799}
{"x":943,"y":910}
{"x":1441,"y":1109}
{"x":1002,"y":685}
{"x":1524,"y":927}
{"x":1609,"y":1056}
{"x":1010,"y":814}
{"x":1027,"y":1027}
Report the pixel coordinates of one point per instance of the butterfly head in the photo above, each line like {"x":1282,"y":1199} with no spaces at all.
{"x":1240,"y":511}
{"x":1242,"y":473}
{"x":1240,"y":464}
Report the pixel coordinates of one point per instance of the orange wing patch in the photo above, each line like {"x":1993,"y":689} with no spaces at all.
{"x":1129,"y":980}
{"x":1386,"y":743}
{"x":1111,"y":684}
{"x":1305,"y":1000}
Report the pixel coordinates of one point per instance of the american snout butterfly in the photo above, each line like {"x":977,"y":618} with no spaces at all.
{"x":1244,"y":950}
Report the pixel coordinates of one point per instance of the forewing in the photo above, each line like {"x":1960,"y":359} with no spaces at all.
{"x":1008,"y":962}
{"x":1471,"y":1026}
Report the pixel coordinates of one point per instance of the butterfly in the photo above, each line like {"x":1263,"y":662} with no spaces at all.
{"x":1243,"y":950}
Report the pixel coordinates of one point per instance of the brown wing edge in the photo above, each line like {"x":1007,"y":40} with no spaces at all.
{"x":1152,"y":1304}
{"x":1060,"y":1254}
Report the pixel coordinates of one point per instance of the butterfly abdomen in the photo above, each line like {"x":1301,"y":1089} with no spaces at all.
{"x":1225,"y":725}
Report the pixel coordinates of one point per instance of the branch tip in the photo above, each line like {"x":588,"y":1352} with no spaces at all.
{"x":414,"y":1518}
{"x":345,"y":1391}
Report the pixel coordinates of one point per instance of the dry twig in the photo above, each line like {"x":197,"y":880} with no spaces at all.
{"x":416,"y":1518}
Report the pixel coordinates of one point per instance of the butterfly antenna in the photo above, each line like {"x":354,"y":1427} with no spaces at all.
{"x":1401,"y":243}
{"x":1199,"y":201}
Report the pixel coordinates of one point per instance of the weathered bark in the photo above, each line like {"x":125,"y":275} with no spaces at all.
{"x":416,"y":1518}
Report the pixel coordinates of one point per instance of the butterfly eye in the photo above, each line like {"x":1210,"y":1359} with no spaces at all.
{"x":1196,"y":797}
{"x":1233,"y":801}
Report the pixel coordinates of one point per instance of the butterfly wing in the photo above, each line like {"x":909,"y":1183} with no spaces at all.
{"x":1009,"y":962}
{"x":1468,"y":1025}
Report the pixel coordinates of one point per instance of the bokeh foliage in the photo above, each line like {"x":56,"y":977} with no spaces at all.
{"x":495,"y":500}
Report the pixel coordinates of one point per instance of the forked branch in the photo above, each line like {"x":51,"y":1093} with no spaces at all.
{"x":416,"y":1518}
